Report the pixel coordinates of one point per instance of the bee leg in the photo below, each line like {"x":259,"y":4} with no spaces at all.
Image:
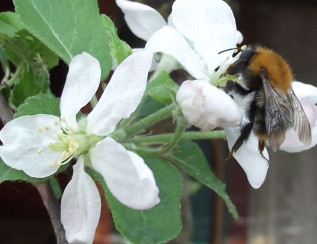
{"x":245,"y":132}
{"x":261,"y":145}
{"x":232,"y":86}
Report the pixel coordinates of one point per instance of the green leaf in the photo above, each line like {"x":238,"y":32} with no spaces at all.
{"x":119,"y":49}
{"x":30,"y":84}
{"x":148,"y":106}
{"x":22,"y":43}
{"x":67,"y":27}
{"x":9,"y":24}
{"x":158,"y":224}
{"x":40,"y":104}
{"x":190,"y":158}
{"x":162,"y":88}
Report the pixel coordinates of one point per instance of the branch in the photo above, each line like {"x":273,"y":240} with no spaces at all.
{"x":53,"y":209}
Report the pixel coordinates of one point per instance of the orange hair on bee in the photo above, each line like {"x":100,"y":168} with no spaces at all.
{"x":278,"y":70}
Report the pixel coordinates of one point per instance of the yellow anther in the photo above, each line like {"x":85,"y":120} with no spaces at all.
{"x":59,"y":134}
{"x":39,"y":151}
{"x":46,"y":127}
{"x":65,"y":155}
{"x":56,"y":122}
{"x":244,"y":47}
{"x":52,"y":163}
{"x":40,"y":129}
{"x":63,"y":119}
{"x":59,"y":163}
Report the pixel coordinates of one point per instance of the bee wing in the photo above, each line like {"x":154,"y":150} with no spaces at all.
{"x":278,"y":112}
{"x":301,"y":124}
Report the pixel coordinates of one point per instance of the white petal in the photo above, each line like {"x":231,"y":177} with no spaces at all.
{"x":307,"y":95}
{"x":209,"y":25}
{"x":141,"y":19}
{"x":122,"y":95}
{"x":167,"y":40}
{"x":305,"y":91}
{"x":239,"y":37}
{"x":80,"y":206}
{"x":81,"y":84}
{"x":26,"y":144}
{"x":206,"y":106}
{"x":129,"y":179}
{"x":292,"y":142}
{"x":249,"y":158}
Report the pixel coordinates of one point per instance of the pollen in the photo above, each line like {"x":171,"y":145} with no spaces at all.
{"x":56,"y":122}
{"x":65,"y":155}
{"x":46,"y":127}
{"x":59,"y":134}
{"x":39,"y":129}
{"x":39,"y":151}
{"x":52,"y":163}
{"x":63,"y":119}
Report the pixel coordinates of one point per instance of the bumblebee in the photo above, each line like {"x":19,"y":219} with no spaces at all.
{"x":274,"y":107}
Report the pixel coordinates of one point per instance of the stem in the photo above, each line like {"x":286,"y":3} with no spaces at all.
{"x":219,"y":134}
{"x":53,"y":209}
{"x":144,"y":123}
{"x":177,"y":135}
{"x":16,"y":75}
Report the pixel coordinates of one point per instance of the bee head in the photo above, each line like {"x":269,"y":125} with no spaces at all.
{"x":242,"y":63}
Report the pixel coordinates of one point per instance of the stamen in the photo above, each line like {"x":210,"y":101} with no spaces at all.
{"x":59,"y":163}
{"x":56,"y":122}
{"x":39,"y":151}
{"x":46,"y":127}
{"x":52,"y":163}
{"x":39,"y":129}
{"x":68,"y":130}
{"x":65,"y":155}
{"x":63,"y":119}
{"x":59,"y":134}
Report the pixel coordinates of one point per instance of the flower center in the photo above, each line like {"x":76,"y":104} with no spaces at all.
{"x":69,"y":143}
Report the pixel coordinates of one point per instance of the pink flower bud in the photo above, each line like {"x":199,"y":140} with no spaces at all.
{"x":206,"y":106}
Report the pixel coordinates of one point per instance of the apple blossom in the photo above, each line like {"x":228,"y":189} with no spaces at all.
{"x":41,"y":143}
{"x":195,"y":33}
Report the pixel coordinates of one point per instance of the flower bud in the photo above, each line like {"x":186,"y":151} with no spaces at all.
{"x":206,"y":106}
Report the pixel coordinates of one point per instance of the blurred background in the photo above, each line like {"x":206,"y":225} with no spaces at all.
{"x":282,"y":211}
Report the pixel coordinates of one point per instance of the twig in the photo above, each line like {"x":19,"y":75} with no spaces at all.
{"x":53,"y":209}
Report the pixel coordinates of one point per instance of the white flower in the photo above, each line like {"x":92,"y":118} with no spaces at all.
{"x":248,"y":156}
{"x":206,"y":106}
{"x":194,"y":35}
{"x":40,"y":144}
{"x":307,"y":95}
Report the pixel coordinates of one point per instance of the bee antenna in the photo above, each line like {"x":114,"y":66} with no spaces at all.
{"x":237,"y":49}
